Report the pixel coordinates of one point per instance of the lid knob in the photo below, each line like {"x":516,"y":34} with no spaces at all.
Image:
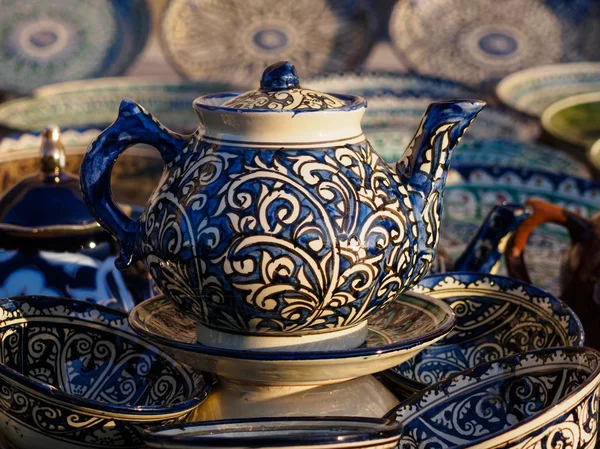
{"x":52,"y":151}
{"x":279,"y":76}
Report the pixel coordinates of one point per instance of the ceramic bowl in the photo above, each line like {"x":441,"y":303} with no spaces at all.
{"x":532,"y":90}
{"x":495,"y":317}
{"x":325,"y":36}
{"x":73,"y":375}
{"x":478,"y":43}
{"x":92,"y":104}
{"x":538,"y":399}
{"x":45,"y":42}
{"x":594,"y":154}
{"x":297,"y":433}
{"x":471,"y":191}
{"x":574,"y":120}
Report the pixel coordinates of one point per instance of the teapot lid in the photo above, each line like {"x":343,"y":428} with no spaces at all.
{"x":280,"y":90}
{"x":47,"y":204}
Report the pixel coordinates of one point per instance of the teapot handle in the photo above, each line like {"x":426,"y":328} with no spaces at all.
{"x":541,"y":212}
{"x":133,"y":126}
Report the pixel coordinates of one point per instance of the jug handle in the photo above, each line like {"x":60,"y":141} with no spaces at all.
{"x":541,"y":212}
{"x":133,"y":126}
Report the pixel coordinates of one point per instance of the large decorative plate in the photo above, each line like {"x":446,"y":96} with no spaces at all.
{"x":479,"y":42}
{"x":574,"y":120}
{"x":48,"y":41}
{"x":92,"y":104}
{"x":471,"y":191}
{"x":495,"y":317}
{"x":532,"y":90}
{"x":397,"y":333}
{"x":233,"y":41}
{"x":535,"y":400}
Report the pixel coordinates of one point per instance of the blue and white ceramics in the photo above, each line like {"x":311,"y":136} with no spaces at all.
{"x":288,"y":382}
{"x":539,"y":399}
{"x":73,"y":375}
{"x":478,"y":43}
{"x":532,"y":90}
{"x":289,"y":433}
{"x":495,"y":317}
{"x":45,"y":42}
{"x":233,"y":41}
{"x":278,"y":217}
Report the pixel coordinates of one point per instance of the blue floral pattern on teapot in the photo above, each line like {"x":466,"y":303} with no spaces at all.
{"x":279,"y":216}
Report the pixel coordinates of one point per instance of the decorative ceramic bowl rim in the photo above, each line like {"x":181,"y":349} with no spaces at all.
{"x":508,"y":83}
{"x":446,"y":324}
{"x":353,"y":103}
{"x":375,"y":429}
{"x":594,"y":377}
{"x":559,"y":106}
{"x":529,"y":288}
{"x":90,"y":406}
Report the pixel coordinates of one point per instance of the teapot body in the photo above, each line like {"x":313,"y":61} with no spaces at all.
{"x":274,"y":239}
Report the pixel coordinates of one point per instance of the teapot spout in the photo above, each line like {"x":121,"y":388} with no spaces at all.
{"x":424,"y":165}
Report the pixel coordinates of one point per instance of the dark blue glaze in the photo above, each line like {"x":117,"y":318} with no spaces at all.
{"x":484,"y":251}
{"x":279,"y":76}
{"x":510,"y":394}
{"x":85,"y":369}
{"x":258,"y":239}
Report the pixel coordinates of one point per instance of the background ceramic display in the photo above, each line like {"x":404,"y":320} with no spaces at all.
{"x":533,"y":90}
{"x":574,"y":120}
{"x":73,"y":375}
{"x":262,"y":228}
{"x":534,"y":399}
{"x":472,"y":191}
{"x":93,"y":103}
{"x":45,"y":42}
{"x":316,"y":432}
{"x":478,"y":43}
{"x":495,"y":317}
{"x":316,"y":35}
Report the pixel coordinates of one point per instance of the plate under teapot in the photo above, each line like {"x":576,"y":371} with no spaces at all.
{"x":399,"y":332}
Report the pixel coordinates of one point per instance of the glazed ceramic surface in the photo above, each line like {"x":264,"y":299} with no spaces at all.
{"x":409,"y":324}
{"x":472,"y":191}
{"x":316,"y":35}
{"x":533,"y":90}
{"x":74,"y":375}
{"x":92,"y":104}
{"x":495,"y":317}
{"x":314,"y":237}
{"x":478,"y":43}
{"x":574,"y":120}
{"x":396,"y":103}
{"x":45,"y":42}
{"x":314,"y":432}
{"x":538,"y":399}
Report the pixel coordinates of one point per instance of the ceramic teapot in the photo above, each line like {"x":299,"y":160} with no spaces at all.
{"x":580,"y":268}
{"x":51,"y":245}
{"x":277,"y":216}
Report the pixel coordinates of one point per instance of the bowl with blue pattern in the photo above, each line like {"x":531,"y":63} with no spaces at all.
{"x":539,"y":399}
{"x":73,"y":375}
{"x":496,"y":317}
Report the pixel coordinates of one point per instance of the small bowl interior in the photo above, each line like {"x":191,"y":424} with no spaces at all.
{"x":496,"y":397}
{"x":575,"y":122}
{"x":93,"y":362}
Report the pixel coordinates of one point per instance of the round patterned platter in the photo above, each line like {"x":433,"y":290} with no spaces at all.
{"x":471,"y":192}
{"x":396,"y":333}
{"x":93,"y":104}
{"x":532,"y":90}
{"x":45,"y":42}
{"x":316,"y":35}
{"x":478,"y":43}
{"x":546,"y":398}
{"x":74,"y":374}
{"x":495,"y":317}
{"x":575,"y":120}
